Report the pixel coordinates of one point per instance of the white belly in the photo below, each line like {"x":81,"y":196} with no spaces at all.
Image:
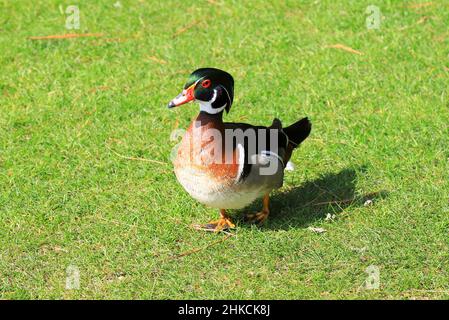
{"x":215,"y":193}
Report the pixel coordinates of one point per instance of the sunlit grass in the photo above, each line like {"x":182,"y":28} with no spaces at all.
{"x":69,"y":108}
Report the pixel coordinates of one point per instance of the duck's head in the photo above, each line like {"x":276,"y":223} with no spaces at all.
{"x":212,"y":88}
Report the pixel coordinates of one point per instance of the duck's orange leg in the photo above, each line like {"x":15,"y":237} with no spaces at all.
{"x":223,"y":223}
{"x":261,"y":216}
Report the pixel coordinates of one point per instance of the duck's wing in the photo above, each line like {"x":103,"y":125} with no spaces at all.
{"x":256,"y":142}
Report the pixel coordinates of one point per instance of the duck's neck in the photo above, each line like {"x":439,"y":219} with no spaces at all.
{"x":206,"y":118}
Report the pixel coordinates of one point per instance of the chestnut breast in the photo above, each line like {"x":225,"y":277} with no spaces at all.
{"x":201,"y":166}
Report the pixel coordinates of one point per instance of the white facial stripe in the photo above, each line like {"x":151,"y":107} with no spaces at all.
{"x":206,"y":106}
{"x":288,"y":140}
{"x":229,"y":97}
{"x":196,"y":82}
{"x":214,"y":97}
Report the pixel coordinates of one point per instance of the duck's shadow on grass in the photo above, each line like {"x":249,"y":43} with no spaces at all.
{"x":301,"y":206}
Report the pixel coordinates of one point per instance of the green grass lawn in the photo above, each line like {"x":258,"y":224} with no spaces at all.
{"x":69,"y":108}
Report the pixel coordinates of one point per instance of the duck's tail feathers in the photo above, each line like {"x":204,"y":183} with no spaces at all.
{"x":298,"y":131}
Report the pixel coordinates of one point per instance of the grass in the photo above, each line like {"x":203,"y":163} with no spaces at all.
{"x":380,"y":132}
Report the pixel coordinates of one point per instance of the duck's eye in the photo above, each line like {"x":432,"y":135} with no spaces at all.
{"x":205,"y":83}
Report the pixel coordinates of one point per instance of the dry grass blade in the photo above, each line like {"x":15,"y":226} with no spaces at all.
{"x":100,"y":88}
{"x":334,"y":202}
{"x":158,"y":60}
{"x":66,"y":36}
{"x":120,"y":223}
{"x":368,"y":196}
{"x":184,"y":29}
{"x":134,"y":158}
{"x":423,"y":19}
{"x":345,"y":48}
{"x":200,"y":228}
{"x":419,"y":5}
{"x":187,"y":253}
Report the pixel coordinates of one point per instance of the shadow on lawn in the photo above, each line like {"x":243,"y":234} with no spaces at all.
{"x":300,"y":206}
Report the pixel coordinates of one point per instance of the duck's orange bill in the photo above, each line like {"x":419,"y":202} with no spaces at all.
{"x":184,"y":97}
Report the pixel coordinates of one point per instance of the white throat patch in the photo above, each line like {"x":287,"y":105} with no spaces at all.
{"x":206,"y":106}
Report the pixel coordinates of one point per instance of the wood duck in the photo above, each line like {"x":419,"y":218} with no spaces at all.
{"x":229,"y":165}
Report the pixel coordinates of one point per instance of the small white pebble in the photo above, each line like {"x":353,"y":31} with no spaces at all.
{"x":368,"y":203}
{"x":290,"y":166}
{"x":358,"y":250}
{"x":316,"y":230}
{"x":329,"y":217}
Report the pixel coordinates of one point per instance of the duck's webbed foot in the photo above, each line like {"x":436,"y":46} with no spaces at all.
{"x":260,"y":217}
{"x":224,"y":223}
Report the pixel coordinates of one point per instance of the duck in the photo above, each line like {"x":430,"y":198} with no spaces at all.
{"x":228,"y":165}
